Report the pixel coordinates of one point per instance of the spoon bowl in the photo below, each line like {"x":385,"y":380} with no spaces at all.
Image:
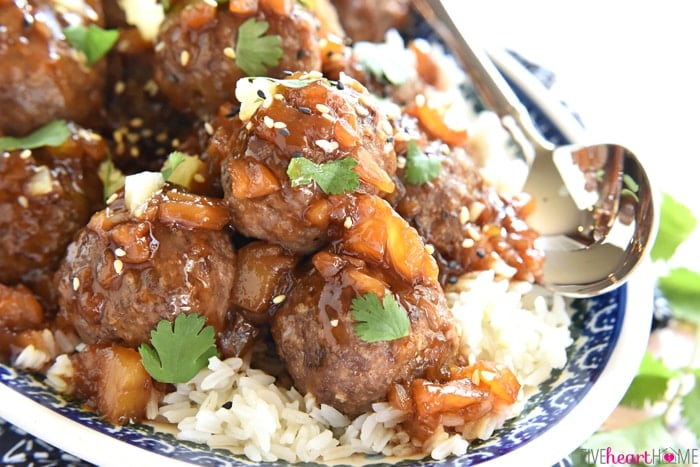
{"x":594,"y":203}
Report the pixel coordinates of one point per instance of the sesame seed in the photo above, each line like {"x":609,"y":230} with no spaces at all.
{"x":476,"y":378}
{"x":473,"y":233}
{"x":348,"y":222}
{"x":134,"y":151}
{"x":23,"y":201}
{"x":162,"y":137}
{"x":230,"y":53}
{"x":328,"y":117}
{"x":420,"y":100}
{"x":25,"y":154}
{"x":430,"y":249}
{"x":159,"y":47}
{"x":175,"y":142}
{"x":208,"y":128}
{"x":304,"y":110}
{"x":327,"y":146}
{"x":151,"y":87}
{"x":119,"y":252}
{"x":334,"y":323}
{"x":361,"y":111}
{"x":475,"y":210}
{"x":146,"y":132}
{"x":261,"y":94}
{"x":184,"y":58}
{"x":386,"y":127}
{"x":279,"y":299}
{"x":280,"y":125}
{"x":76,"y":283}
{"x":112,"y":198}
{"x":269,"y":122}
{"x":211,"y":3}
{"x":199,"y":178}
{"x":249,"y":126}
{"x":284,"y":132}
{"x":119,"y":87}
{"x":463,"y":215}
{"x":118,"y":266}
{"x":324,"y":109}
{"x":136,"y":122}
{"x":468,"y":243}
{"x":400,"y":162}
{"x":278,"y":96}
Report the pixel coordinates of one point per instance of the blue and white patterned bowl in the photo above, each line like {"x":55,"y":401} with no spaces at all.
{"x":610,"y":334}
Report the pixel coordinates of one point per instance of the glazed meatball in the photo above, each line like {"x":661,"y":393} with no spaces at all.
{"x":46,"y":195}
{"x":196,"y":65}
{"x":470,"y":224}
{"x":368,"y":20}
{"x":315,"y":332}
{"x":126,"y":271}
{"x":315,"y":119}
{"x":43,"y":77}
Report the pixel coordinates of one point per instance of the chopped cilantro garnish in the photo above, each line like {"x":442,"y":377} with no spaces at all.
{"x":92,"y":40}
{"x":379,"y":321}
{"x":420,"y":168}
{"x":255,"y":51}
{"x":54,"y":133}
{"x":112,"y":178}
{"x":334,"y":177}
{"x":180,"y":349}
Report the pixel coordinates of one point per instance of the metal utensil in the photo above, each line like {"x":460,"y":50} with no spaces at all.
{"x":594,"y":203}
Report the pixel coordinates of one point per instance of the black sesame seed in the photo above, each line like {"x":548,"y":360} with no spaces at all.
{"x":329,"y":54}
{"x":233,"y":112}
{"x":261,"y":94}
{"x":390,"y":139}
{"x":284,"y":132}
{"x":452,"y":279}
{"x":301,"y":53}
{"x":480,"y":253}
{"x":297,"y":154}
{"x":304,"y":110}
{"x":227,"y":405}
{"x":340,"y":85}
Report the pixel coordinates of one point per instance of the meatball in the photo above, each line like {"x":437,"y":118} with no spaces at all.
{"x":315,"y":332}
{"x":470,"y":225}
{"x":126,"y":271}
{"x":46,"y":195}
{"x":195,"y":62}
{"x":312,"y":118}
{"x":43,"y":77}
{"x":369,"y":20}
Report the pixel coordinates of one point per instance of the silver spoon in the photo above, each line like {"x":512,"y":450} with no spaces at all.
{"x":594,"y":203}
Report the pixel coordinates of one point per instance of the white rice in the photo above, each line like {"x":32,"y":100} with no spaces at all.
{"x":231,"y":405}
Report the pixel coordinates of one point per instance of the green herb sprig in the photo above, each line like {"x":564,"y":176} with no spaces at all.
{"x":92,"y":40}
{"x":333,"y":177}
{"x":256,"y":51}
{"x":54,"y":133}
{"x":377,"y":321}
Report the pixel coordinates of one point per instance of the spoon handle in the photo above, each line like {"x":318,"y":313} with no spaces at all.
{"x":488,"y":82}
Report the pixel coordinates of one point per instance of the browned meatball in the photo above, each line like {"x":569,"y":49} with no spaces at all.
{"x":194,"y":65}
{"x":46,"y":195}
{"x":320,"y":121}
{"x":42,"y":77}
{"x":315,"y":331}
{"x":125,"y":272}
{"x":369,"y":20}
{"x":470,"y":224}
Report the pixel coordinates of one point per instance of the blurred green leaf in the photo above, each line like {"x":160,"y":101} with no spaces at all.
{"x":649,"y":384}
{"x":690,"y":407}
{"x":675,"y":226}
{"x":681,"y":286}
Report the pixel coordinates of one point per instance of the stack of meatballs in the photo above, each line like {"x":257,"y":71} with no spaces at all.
{"x":263,"y":260}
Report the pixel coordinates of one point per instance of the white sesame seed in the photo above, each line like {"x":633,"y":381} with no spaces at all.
{"x":430,"y":249}
{"x":208,"y":128}
{"x":119,"y":252}
{"x":249,"y":126}
{"x":111,"y":198}
{"x":118,"y":266}
{"x":279,"y":299}
{"x":76,"y":283}
{"x":269,"y":122}
{"x":184,"y":58}
{"x":25,"y":154}
{"x":468,"y":243}
{"x":230,"y":53}
{"x":324,"y":109}
{"x":476,"y":378}
{"x":348,"y":222}
{"x":279,"y":125}
{"x":444,"y":149}
{"x":463,"y":215}
{"x":136,"y":122}
{"x":211,"y":3}
{"x":328,"y":117}
{"x":278,"y":96}
{"x":23,"y":201}
{"x":361,"y":111}
{"x":159,"y":47}
{"x":327,"y":146}
{"x":199,"y":178}
{"x":334,"y":323}
{"x":475,"y":210}
{"x":400,"y":162}
{"x":473,"y":233}
{"x":386,"y":127}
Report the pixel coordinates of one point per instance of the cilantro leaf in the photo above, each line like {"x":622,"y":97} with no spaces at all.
{"x":112,"y":178}
{"x":92,"y":40}
{"x":377,"y":321}
{"x":690,"y":407}
{"x":420,"y":168}
{"x":649,"y":384}
{"x":180,"y":349}
{"x":681,"y":287}
{"x":333,"y":177}
{"x":254,"y":50}
{"x":675,"y":226}
{"x":54,"y":133}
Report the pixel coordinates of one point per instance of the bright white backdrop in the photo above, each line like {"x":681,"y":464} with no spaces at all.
{"x":631,"y":69}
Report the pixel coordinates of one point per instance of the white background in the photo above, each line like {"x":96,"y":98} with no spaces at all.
{"x":631,"y":69}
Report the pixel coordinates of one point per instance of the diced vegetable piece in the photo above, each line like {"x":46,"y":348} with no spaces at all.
{"x":19,"y":309}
